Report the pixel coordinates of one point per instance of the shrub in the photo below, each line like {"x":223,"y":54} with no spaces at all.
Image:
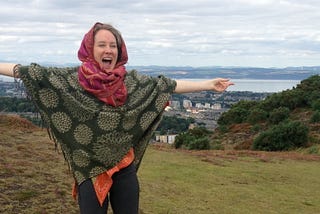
{"x":234,"y":115}
{"x":199,"y":132}
{"x":315,"y":118}
{"x":313,"y":150}
{"x":223,"y":128}
{"x":196,"y":138}
{"x":281,"y":137}
{"x":257,"y":115}
{"x":316,"y":105}
{"x":237,"y":114}
{"x":182,"y":140}
{"x":278,"y":115}
{"x":255,"y":128}
{"x":199,"y":144}
{"x":216,"y":145}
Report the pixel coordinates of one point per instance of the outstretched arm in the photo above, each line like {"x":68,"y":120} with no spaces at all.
{"x":7,"y":69}
{"x":218,"y":85}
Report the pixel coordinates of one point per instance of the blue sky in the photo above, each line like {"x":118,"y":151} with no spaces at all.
{"x":260,"y":33}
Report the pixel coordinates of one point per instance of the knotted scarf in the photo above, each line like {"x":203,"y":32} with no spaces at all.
{"x":107,"y":87}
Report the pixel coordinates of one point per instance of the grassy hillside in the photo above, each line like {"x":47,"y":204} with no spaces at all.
{"x":34,"y":178}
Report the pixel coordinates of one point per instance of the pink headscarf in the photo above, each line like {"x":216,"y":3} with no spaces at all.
{"x":107,"y":87}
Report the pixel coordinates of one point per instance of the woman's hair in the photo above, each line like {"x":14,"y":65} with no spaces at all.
{"x":114,"y":31}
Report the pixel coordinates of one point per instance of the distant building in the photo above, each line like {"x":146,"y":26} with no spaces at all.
{"x":216,"y":106}
{"x":207,"y":105}
{"x":199,"y":105}
{"x":175,"y":104}
{"x":187,"y":104}
{"x":166,"y":138}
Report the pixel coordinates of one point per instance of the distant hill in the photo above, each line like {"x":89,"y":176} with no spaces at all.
{"x":187,"y":72}
{"x":289,"y":73}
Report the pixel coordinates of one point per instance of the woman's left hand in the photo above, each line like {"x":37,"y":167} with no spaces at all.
{"x":220,"y":84}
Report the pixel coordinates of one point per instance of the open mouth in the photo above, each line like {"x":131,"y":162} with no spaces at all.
{"x":106,"y":61}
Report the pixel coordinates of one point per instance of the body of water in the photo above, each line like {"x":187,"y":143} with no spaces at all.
{"x":259,"y":85}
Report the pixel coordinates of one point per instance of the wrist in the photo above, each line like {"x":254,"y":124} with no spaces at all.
{"x":208,"y":85}
{"x":16,"y":70}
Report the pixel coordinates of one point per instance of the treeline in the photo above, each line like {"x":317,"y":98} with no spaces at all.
{"x":14,"y":104}
{"x":197,"y":138}
{"x":174,"y":125}
{"x":274,"y":119}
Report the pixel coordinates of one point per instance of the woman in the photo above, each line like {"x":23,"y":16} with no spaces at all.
{"x":102,"y":116}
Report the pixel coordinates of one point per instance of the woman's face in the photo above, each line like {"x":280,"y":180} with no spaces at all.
{"x":105,"y":50}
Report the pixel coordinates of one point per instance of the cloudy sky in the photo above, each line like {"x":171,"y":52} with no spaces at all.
{"x":262,"y":33}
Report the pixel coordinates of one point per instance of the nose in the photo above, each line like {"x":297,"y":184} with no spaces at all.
{"x":108,"y":49}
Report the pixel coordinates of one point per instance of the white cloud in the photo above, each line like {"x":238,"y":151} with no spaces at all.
{"x":266,"y":33}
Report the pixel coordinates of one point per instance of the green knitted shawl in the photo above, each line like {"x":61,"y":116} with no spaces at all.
{"x":94,"y":136}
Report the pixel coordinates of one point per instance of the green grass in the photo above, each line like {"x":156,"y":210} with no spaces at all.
{"x":34,"y":178}
{"x":173,"y":182}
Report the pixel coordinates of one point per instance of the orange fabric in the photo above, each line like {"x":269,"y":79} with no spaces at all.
{"x":103,"y":182}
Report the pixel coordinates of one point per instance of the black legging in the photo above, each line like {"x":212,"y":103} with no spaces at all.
{"x":124,"y":194}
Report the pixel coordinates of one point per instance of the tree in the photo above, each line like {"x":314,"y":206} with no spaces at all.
{"x":281,"y":137}
{"x":193,"y":139}
{"x":316,"y":104}
{"x":199,"y":144}
{"x":278,"y":115}
{"x":315,"y":118}
{"x":174,"y":124}
{"x":257,"y":115}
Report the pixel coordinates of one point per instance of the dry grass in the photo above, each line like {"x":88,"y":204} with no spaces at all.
{"x":34,"y":178}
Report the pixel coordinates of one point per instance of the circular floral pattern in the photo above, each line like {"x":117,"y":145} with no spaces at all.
{"x":109,"y":145}
{"x":58,"y":82}
{"x":35,"y":73}
{"x":83,"y":134}
{"x":80,"y":158}
{"x":48,"y":98}
{"x":108,"y":121}
{"x":61,"y":121}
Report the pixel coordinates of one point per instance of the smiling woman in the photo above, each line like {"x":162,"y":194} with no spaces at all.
{"x":107,"y":46}
{"x":102,"y":116}
{"x":105,"y":50}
